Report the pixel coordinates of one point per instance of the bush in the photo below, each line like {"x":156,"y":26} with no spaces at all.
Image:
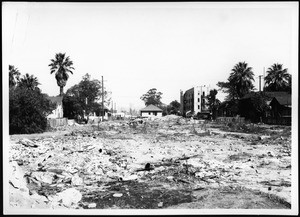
{"x":28,"y":110}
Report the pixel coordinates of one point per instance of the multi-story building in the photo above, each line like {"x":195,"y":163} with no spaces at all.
{"x":193,"y":101}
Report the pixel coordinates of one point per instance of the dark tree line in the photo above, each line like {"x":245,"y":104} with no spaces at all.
{"x":28,"y":106}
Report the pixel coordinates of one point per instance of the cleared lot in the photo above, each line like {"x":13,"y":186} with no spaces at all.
{"x":168,"y":162}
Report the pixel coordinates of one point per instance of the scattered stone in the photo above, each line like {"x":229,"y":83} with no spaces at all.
{"x":263,"y":137}
{"x":45,"y":177}
{"x":20,"y":162}
{"x":92,"y":205}
{"x":170,"y":178}
{"x":76,"y":180}
{"x":28,"y":143}
{"x":16,"y":177}
{"x":160,"y":204}
{"x":147,"y":166}
{"x":131,"y":177}
{"x":69,"y":197}
{"x":117,"y":195}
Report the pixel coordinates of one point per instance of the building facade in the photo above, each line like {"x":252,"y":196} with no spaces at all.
{"x":193,"y":101}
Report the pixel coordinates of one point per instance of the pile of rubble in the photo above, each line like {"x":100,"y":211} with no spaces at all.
{"x":66,"y":171}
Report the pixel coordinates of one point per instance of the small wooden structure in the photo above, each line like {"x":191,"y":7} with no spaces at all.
{"x":150,"y":111}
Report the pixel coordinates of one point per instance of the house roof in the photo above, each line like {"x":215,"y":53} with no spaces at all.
{"x":55,"y":99}
{"x":151,"y":108}
{"x":284,"y":98}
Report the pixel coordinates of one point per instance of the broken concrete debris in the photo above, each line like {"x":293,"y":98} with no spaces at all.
{"x":28,"y":143}
{"x":87,"y":160}
{"x":117,"y":195}
{"x":68,"y":197}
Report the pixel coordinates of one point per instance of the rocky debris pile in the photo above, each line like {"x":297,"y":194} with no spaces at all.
{"x":63,"y":171}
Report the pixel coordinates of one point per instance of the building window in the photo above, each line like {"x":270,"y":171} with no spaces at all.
{"x":155,"y":113}
{"x":149,"y":113}
{"x":198,"y":100}
{"x":203,"y":93}
{"x":198,"y":106}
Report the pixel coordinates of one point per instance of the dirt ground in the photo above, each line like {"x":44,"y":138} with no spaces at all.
{"x":163,"y":163}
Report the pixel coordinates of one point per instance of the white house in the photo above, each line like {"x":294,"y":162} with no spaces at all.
{"x":151,"y":110}
{"x":58,"y":111}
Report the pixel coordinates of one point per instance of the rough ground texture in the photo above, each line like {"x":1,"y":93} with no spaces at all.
{"x":163,"y":163}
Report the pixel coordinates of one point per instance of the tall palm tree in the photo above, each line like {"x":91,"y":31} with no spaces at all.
{"x":278,"y":79}
{"x":14,"y":75}
{"x":29,"y":82}
{"x":61,"y":65}
{"x":240,"y":80}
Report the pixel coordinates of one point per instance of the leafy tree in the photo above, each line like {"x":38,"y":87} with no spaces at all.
{"x":254,"y":107}
{"x":174,"y":107}
{"x":28,"y":107}
{"x":278,"y":79}
{"x":14,"y":75}
{"x":29,"y":82}
{"x":239,"y":82}
{"x":83,"y":97}
{"x":152,"y":97}
{"x":212,"y":102}
{"x":72,"y":107}
{"x":61,"y":65}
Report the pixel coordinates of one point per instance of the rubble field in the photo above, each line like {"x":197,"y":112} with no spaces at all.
{"x":163,"y":163}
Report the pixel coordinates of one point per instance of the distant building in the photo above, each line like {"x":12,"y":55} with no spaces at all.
{"x":193,"y":101}
{"x":151,"y":110}
{"x":277,"y":111}
{"x":58,"y":111}
{"x":280,"y":108}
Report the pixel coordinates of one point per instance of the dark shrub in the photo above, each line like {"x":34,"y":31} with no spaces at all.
{"x":28,"y":110}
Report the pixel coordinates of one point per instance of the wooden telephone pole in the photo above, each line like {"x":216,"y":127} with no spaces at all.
{"x":260,"y":83}
{"x":102,"y":103}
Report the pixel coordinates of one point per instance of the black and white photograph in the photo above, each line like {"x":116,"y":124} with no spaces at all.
{"x":150,"y":108}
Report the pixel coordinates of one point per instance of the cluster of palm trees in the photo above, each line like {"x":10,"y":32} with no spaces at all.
{"x":27,"y":81}
{"x":240,"y":81}
{"x":61,"y":65}
{"x":278,"y":79}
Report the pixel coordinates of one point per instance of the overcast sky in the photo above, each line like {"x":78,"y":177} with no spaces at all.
{"x":138,"y":46}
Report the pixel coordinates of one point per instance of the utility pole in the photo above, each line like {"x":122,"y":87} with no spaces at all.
{"x":264,"y":80}
{"x":260,"y":82}
{"x":102,"y":100}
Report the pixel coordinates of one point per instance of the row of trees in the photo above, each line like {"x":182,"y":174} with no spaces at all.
{"x":240,"y":81}
{"x":28,"y":106}
{"x":238,"y":84}
{"x":83,"y":98}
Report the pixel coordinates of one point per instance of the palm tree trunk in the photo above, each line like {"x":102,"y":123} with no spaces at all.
{"x":61,"y":92}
